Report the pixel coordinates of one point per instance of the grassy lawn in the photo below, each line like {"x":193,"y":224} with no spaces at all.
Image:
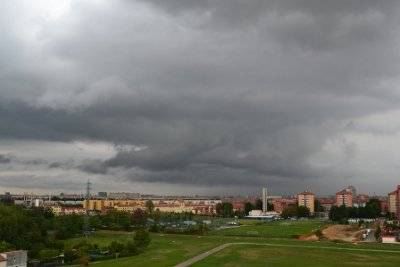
{"x":102,"y":238}
{"x":251,"y":255}
{"x":277,"y":229}
{"x":169,"y":250}
{"x":164,"y":250}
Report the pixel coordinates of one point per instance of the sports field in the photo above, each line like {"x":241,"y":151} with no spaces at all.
{"x":273,"y":246}
{"x":277,"y":229}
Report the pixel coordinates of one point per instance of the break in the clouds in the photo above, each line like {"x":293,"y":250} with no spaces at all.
{"x":199,"y":96}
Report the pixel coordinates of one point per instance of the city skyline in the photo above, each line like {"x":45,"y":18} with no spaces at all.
{"x":199,"y":97}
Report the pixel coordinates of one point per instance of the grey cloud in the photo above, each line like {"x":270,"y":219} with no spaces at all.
{"x":4,"y":159}
{"x":55,"y":165}
{"x":93,"y":166}
{"x":215,"y":92}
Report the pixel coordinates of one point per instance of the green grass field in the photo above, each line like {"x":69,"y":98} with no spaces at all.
{"x":278,"y":229}
{"x":164,"y":250}
{"x":251,"y":255}
{"x":169,"y":250}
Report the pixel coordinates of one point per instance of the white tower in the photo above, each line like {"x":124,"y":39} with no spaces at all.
{"x":265,"y":199}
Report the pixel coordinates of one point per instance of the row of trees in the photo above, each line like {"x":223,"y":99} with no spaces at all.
{"x":372,"y":209}
{"x":295,"y":211}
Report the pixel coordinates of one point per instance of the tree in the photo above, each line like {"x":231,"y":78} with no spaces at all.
{"x":302,"y":212}
{"x":139,"y":217}
{"x":289,"y":211}
{"x":5,"y":246}
{"x":149,"y":206}
{"x":224,"y":209}
{"x":318,"y":207}
{"x":270,"y":206}
{"x":295,"y":211}
{"x":259,"y":204}
{"x":339,"y":213}
{"x":390,"y":215}
{"x":248,"y":207}
{"x":116,"y":247}
{"x":131,"y":248}
{"x":95,"y":222}
{"x":22,"y":228}
{"x":48,"y":254}
{"x":378,"y":232}
{"x":141,"y":239}
{"x":373,"y":208}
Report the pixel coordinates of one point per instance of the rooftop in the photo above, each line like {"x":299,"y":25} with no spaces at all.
{"x":344,"y":192}
{"x":306,"y":193}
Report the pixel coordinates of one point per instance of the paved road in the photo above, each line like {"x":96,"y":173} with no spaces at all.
{"x":202,"y":256}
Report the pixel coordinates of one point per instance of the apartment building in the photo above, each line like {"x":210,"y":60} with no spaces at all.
{"x":344,"y":198}
{"x":306,"y":199}
{"x":393,"y":202}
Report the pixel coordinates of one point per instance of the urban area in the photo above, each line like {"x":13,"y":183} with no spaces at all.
{"x":73,"y":219}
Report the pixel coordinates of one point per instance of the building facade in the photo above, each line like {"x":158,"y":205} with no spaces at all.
{"x":282,"y":203}
{"x":18,"y":258}
{"x":392,"y":208}
{"x":360,"y":200}
{"x":344,"y":198}
{"x":306,"y":199}
{"x":197,"y":206}
{"x":398,"y":202}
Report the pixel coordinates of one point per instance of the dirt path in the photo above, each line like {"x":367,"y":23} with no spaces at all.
{"x":202,"y":256}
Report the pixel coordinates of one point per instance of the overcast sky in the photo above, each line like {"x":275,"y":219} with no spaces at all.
{"x":199,"y":97}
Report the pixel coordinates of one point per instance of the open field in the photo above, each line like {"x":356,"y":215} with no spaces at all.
{"x":274,"y":250}
{"x":164,"y":250}
{"x":256,"y":255}
{"x":277,"y":229}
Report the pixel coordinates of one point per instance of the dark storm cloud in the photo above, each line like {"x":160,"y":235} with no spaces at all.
{"x":4,"y":159}
{"x":207,"y":92}
{"x":93,"y":166}
{"x":55,"y":165}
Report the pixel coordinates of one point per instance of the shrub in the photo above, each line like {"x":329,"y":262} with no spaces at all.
{"x":70,"y":255}
{"x":5,"y":246}
{"x":141,"y":239}
{"x":131,"y":248}
{"x":116,"y":247}
{"x":48,"y":254}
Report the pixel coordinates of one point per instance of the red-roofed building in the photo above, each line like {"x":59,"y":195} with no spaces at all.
{"x":238,"y":205}
{"x":327,"y":203}
{"x":282,"y":203}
